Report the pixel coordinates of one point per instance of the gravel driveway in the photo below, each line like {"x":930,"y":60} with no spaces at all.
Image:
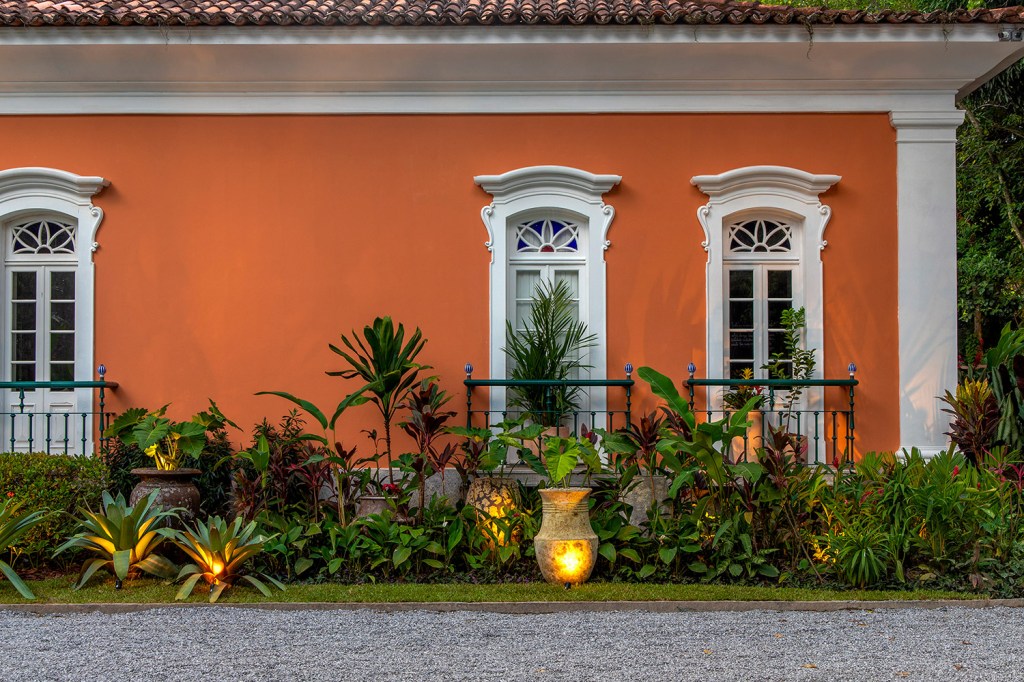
{"x":226,"y":644}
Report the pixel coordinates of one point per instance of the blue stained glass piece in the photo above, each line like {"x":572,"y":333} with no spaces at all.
{"x":556,"y":227}
{"x":521,"y":245}
{"x":538,"y":227}
{"x":572,"y":245}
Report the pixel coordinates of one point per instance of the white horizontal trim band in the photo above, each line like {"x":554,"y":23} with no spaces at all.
{"x":476,"y":102}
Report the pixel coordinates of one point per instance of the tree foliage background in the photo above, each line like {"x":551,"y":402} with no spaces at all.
{"x":990,"y":190}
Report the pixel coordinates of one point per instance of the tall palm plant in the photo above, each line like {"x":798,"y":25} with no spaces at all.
{"x":550,"y":347}
{"x":386,"y":361}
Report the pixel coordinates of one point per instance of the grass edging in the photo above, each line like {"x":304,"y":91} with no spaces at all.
{"x":146,"y":591}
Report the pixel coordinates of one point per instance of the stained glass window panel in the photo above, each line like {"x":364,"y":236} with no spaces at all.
{"x":547,"y":235}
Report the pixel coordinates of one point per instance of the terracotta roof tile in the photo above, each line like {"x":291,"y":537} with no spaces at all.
{"x":457,"y":12}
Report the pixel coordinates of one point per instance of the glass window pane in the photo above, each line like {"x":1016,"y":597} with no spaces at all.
{"x":24,"y":347}
{"x":60,"y":371}
{"x":62,"y":316}
{"x":570,"y":277}
{"x":776,"y":342}
{"x":26,"y":372}
{"x":25,"y":316}
{"x":775,"y":309}
{"x":522,"y":314}
{"x":526,"y":283}
{"x":741,"y":345}
{"x":62,"y":286}
{"x":62,"y":346}
{"x":741,"y":314}
{"x":780,"y":284}
{"x":736,"y":369}
{"x":741,"y":284}
{"x":24,"y":286}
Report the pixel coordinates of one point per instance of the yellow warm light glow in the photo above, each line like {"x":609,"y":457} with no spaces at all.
{"x":572,"y":561}
{"x":217,"y":567}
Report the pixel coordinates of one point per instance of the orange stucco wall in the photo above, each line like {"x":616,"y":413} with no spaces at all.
{"x":235,"y":248}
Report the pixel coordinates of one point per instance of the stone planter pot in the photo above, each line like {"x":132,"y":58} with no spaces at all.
{"x":566,"y":545}
{"x":174,"y":488}
{"x":372,"y":504}
{"x":494,"y":499}
{"x":745,"y":449}
{"x":640,"y":497}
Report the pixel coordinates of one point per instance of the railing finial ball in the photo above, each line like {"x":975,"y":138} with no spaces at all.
{"x":629,"y":369}
{"x":102,"y":370}
{"x":469,"y":370}
{"x":852,"y":369}
{"x":692,"y":369}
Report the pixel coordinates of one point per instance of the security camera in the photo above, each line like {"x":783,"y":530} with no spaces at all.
{"x":1011,"y":34}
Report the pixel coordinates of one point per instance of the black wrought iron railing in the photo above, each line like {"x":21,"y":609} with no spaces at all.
{"x":547,"y":409}
{"x":27,"y":424}
{"x":822,"y":420}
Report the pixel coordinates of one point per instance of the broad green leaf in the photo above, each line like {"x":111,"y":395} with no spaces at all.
{"x":400,"y":556}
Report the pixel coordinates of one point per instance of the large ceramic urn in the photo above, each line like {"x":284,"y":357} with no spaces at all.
{"x":174,"y":489}
{"x":566,"y":545}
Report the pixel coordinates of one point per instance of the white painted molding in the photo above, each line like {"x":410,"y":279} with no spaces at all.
{"x":27,"y":192}
{"x":926,"y":257}
{"x":764,"y":190}
{"x":541,"y":189}
{"x":492,"y":69}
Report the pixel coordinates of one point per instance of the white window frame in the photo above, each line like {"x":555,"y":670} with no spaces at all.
{"x":765,"y":190}
{"x":27,"y":193}
{"x":537,"y":191}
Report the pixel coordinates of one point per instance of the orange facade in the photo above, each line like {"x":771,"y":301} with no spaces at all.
{"x":235,"y":248}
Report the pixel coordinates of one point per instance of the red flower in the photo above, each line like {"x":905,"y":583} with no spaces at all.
{"x":956,"y":470}
{"x":10,"y":494}
{"x":390,"y":488}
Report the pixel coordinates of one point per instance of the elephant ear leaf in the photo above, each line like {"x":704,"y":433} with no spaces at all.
{"x":664,"y":388}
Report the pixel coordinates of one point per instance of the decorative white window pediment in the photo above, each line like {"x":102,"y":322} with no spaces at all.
{"x":770,"y":215}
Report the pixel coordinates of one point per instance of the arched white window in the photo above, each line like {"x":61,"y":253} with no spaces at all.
{"x":47,"y":230}
{"x":763,"y":231}
{"x":547,"y":223}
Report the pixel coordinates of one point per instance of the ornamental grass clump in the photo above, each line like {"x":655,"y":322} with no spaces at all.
{"x":125,"y":538}
{"x":12,"y":527}
{"x":220,"y":550}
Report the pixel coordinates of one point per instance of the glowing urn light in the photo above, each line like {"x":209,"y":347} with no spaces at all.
{"x":496,"y":501}
{"x":566,"y":545}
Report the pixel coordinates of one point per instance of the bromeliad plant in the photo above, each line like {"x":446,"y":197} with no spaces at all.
{"x":12,"y":527}
{"x":220,"y":551}
{"x":125,"y":538}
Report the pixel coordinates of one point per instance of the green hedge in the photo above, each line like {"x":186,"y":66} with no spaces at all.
{"x":61,"y":483}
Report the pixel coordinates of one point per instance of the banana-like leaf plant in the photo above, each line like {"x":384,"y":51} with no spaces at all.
{"x":125,"y":538}
{"x":12,"y":527}
{"x":220,"y":550}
